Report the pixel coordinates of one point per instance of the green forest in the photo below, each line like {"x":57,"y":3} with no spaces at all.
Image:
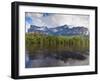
{"x":36,"y":42}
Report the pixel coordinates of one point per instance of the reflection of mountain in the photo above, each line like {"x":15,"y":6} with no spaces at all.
{"x":60,"y":30}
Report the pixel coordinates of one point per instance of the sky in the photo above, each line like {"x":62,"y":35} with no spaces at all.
{"x":53,"y":19}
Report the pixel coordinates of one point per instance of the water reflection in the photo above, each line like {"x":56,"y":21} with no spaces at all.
{"x":49,"y":56}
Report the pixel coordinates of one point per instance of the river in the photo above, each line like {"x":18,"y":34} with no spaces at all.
{"x":50,"y":58}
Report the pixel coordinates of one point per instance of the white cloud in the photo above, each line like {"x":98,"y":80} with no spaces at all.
{"x":75,"y":20}
{"x":54,"y":20}
{"x":27,"y":27}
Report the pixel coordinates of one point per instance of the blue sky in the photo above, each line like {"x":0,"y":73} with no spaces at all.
{"x":53,"y":20}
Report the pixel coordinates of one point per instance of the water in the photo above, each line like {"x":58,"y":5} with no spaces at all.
{"x":37,"y":56}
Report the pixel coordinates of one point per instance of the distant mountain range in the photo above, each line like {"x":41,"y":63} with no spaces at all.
{"x":60,"y":30}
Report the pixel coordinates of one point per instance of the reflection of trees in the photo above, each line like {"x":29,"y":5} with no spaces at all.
{"x":39,"y":42}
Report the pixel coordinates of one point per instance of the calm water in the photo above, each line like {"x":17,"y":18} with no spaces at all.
{"x":51,"y":56}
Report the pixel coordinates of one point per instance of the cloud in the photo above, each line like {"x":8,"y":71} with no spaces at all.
{"x":54,"y":20}
{"x":27,"y":26}
{"x":75,"y":20}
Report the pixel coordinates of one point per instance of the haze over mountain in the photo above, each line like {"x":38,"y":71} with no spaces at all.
{"x":52,"y":20}
{"x":60,"y":30}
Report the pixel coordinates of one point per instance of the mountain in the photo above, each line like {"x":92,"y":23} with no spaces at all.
{"x":60,"y":30}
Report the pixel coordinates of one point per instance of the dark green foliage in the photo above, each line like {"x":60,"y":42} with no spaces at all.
{"x":41,"y":42}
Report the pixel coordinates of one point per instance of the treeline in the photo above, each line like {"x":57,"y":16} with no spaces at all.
{"x":44,"y":40}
